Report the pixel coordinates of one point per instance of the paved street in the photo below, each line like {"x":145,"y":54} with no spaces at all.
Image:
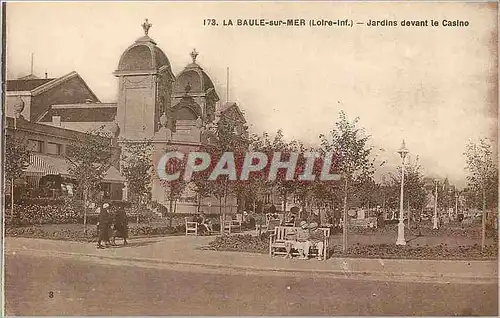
{"x":89,"y":288}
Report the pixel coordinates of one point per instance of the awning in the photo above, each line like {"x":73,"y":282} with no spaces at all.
{"x":43,"y":165}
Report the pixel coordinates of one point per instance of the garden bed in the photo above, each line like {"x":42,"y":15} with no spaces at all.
{"x":240,"y":243}
{"x":254,"y":244}
{"x":436,"y":252}
{"x":74,"y":232}
{"x":467,"y":231}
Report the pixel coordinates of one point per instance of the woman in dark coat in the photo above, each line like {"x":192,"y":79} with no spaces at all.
{"x":103,"y":226}
{"x":121,"y":225}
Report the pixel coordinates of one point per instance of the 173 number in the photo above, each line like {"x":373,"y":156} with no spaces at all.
{"x":210,"y":22}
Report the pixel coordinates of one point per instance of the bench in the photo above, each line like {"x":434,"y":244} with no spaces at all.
{"x":278,"y":239}
{"x":231,"y":226}
{"x":191,"y":227}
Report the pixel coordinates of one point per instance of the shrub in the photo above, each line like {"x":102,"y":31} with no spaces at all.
{"x":43,"y":214}
{"x":239,"y":243}
{"x":419,"y":252}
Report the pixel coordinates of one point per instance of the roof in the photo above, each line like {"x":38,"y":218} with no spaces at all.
{"x":143,"y":55}
{"x":194,"y":80}
{"x":232,"y":111}
{"x":42,"y":129}
{"x":187,"y":102}
{"x":26,"y":84}
{"x":95,"y":112}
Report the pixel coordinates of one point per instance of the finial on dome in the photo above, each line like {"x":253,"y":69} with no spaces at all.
{"x":194,"y":55}
{"x":146,"y":26}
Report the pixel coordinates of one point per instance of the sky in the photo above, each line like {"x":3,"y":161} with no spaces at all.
{"x":434,"y":87}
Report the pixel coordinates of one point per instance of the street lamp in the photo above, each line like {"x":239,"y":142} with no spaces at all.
{"x":401,"y":226}
{"x":435,"y":218}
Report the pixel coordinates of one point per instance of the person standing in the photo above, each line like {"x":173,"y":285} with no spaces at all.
{"x":121,"y":225}
{"x":103,"y":226}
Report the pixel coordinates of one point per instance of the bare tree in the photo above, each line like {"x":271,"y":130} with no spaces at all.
{"x":348,"y":142}
{"x":482,"y":176}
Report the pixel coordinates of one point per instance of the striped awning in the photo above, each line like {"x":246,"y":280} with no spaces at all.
{"x":44,"y":165}
{"x":41,"y":165}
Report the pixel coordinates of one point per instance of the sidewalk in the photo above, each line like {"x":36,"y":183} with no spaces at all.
{"x":182,"y":252}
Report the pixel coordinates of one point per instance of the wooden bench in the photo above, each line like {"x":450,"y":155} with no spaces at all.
{"x":191,"y":227}
{"x":231,"y":226}
{"x":278,"y":239}
{"x":272,"y":225}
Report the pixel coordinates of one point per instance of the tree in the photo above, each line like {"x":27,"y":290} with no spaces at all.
{"x":348,"y":142}
{"x":227,"y":140}
{"x":89,"y":159}
{"x":482,"y":178}
{"x":174,"y":188}
{"x":415,"y":194}
{"x":16,"y":161}
{"x":137,"y":169}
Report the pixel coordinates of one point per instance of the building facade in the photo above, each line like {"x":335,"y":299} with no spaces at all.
{"x":153,"y":105}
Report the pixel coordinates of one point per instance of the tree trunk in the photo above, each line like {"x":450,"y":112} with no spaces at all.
{"x":85,"y":198}
{"x":198,"y":201}
{"x":221,"y":220}
{"x":409,"y":214}
{"x":483,"y":221}
{"x":225,"y":208}
{"x":284,"y":201}
{"x":12,"y":198}
{"x":137,"y":215}
{"x":344,"y":228}
{"x":170,"y":209}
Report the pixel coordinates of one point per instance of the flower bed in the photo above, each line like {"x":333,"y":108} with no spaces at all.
{"x":74,"y":232}
{"x":240,"y":243}
{"x":69,"y":234}
{"x":472,"y":232}
{"x":254,"y":244}
{"x":418,"y":252}
{"x":42,"y":214}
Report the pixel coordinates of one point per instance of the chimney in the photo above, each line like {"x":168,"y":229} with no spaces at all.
{"x":46,"y":75}
{"x":56,"y":121}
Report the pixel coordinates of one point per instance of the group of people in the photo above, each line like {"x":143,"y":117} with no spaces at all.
{"x":304,"y":238}
{"x":111,"y":225}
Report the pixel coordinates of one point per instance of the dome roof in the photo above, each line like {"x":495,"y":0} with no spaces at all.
{"x":143,"y":55}
{"x":193,"y":79}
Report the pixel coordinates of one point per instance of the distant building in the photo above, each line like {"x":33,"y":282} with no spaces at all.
{"x":48,"y":172}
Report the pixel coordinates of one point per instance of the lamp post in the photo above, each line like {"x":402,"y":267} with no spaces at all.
{"x":18,"y":108}
{"x":435,"y":218}
{"x":401,"y":226}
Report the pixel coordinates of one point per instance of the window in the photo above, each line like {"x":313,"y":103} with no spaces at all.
{"x":54,"y":149}
{"x":35,"y":145}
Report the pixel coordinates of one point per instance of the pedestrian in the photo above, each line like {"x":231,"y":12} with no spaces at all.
{"x":103,"y":226}
{"x":120,"y":225}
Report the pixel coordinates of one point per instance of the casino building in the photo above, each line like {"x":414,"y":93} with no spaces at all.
{"x":152,"y":104}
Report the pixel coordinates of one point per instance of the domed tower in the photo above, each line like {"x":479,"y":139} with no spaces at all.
{"x":145,"y":86}
{"x":194,"y":94}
